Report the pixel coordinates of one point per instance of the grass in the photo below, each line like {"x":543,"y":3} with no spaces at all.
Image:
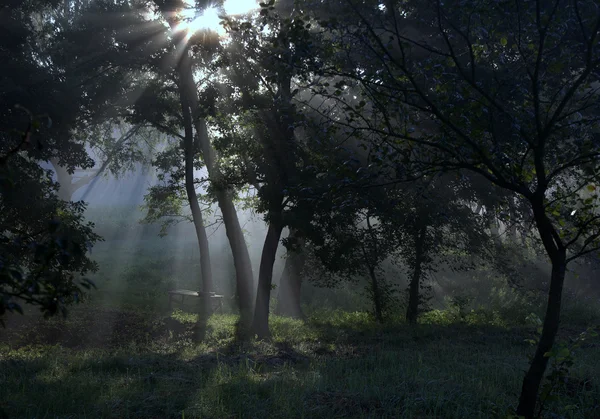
{"x":103,"y":362}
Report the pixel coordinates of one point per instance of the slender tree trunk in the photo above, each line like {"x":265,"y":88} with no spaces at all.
{"x":412,"y":312}
{"x":190,"y":188}
{"x":376,"y":294}
{"x":235,"y":235}
{"x":374,"y":286}
{"x":290,"y":285}
{"x":537,"y":368}
{"x":265,"y":278}
{"x":535,"y":374}
{"x":371,"y":268}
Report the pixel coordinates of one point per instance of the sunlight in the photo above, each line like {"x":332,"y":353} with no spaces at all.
{"x":239,"y":7}
{"x":209,"y":19}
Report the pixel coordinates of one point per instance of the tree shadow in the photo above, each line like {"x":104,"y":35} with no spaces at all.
{"x":101,"y":382}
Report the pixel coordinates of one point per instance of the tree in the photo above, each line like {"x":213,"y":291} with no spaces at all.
{"x":190,"y":101}
{"x":278,"y":160}
{"x":165,"y":202}
{"x":43,"y":240}
{"x":505,"y":90}
{"x":433,"y":224}
{"x":290,"y":283}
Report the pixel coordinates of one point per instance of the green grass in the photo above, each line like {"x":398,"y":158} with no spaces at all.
{"x":112,"y":363}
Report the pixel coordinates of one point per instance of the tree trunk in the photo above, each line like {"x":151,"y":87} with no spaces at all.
{"x":374,"y":285}
{"x":537,"y":368}
{"x":290,"y":285}
{"x":376,"y":294}
{"x":412,"y":312}
{"x":190,"y":188}
{"x":65,"y":180}
{"x":265,"y":279}
{"x":241,"y":257}
{"x":535,"y":374}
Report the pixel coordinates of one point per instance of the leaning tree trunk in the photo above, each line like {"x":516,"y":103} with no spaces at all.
{"x":265,"y":278}
{"x":412,"y":312}
{"x":277,"y":151}
{"x":235,"y":235}
{"x":290,"y":284}
{"x":537,"y":368}
{"x":190,"y":188}
{"x":241,"y":257}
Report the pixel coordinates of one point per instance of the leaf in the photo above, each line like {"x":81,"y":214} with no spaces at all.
{"x":556,"y":68}
{"x":503,"y":41}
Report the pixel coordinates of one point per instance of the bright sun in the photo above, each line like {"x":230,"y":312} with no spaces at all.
{"x":210,"y":17}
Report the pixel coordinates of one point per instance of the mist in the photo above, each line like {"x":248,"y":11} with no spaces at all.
{"x":299,"y":209}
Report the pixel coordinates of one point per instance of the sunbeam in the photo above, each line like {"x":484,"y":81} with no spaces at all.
{"x":210,"y":18}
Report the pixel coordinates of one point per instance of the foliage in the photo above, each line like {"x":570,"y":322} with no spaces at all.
{"x":43,"y":241}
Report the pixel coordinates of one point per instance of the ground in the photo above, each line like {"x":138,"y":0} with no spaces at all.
{"x":108,"y":362}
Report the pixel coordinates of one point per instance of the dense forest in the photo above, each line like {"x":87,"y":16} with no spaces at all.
{"x":300,"y":208}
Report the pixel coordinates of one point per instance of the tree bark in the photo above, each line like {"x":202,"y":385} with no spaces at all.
{"x":537,"y":368}
{"x":235,"y":235}
{"x":374,"y":286}
{"x":265,"y":279}
{"x":412,"y":312}
{"x":290,"y":284}
{"x":190,"y":188}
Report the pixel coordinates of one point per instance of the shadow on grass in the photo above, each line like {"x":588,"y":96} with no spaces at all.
{"x":157,"y":386}
{"x":60,"y":382}
{"x":152,"y":368}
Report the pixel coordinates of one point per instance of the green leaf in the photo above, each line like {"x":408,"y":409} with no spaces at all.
{"x":503,"y":41}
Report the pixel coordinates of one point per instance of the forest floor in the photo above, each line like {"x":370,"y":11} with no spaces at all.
{"x":125,"y":363}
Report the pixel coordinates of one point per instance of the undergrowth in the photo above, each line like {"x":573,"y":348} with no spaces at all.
{"x":114,"y":363}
